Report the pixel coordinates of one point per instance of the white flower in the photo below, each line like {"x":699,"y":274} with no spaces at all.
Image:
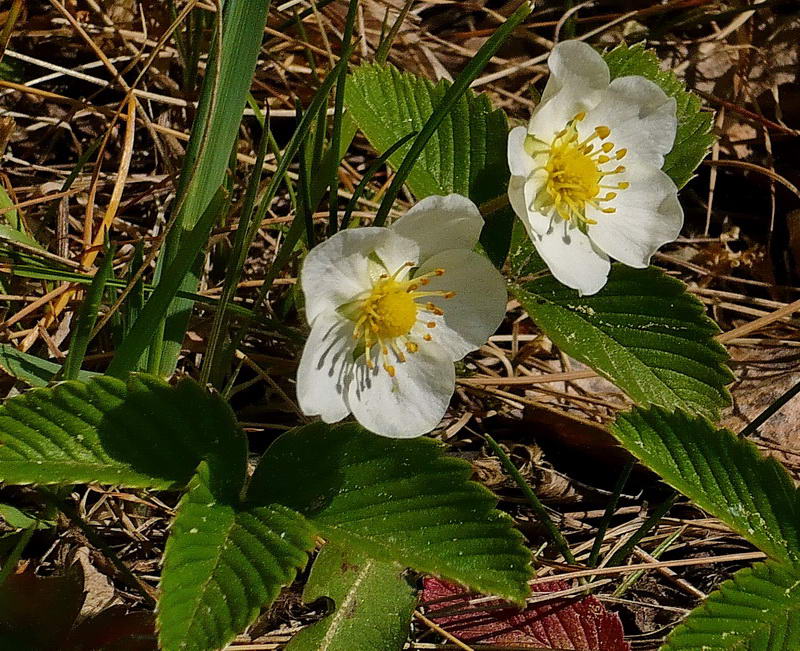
{"x":390,"y":310}
{"x":586,"y":175}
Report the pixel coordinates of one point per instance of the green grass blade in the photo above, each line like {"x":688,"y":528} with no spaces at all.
{"x":338,"y":109}
{"x":87,"y":315}
{"x":222,"y":100}
{"x":140,"y":335}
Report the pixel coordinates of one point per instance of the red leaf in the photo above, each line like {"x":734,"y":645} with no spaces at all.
{"x":563,"y":623}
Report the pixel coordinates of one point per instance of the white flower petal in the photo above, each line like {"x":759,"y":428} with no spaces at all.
{"x":438,"y":223}
{"x":578,"y":77}
{"x":641,"y":117}
{"x":395,"y":251}
{"x":477,"y":308}
{"x":336,"y":271}
{"x":410,"y":404}
{"x":326,"y":368}
{"x":572,"y":258}
{"x":648,"y":215}
{"x":520,"y":162}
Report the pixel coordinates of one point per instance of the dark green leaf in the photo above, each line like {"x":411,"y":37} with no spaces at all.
{"x":223,"y":563}
{"x":642,"y":331}
{"x":726,"y":476}
{"x":143,"y":433}
{"x":758,"y":610}
{"x":399,"y":501}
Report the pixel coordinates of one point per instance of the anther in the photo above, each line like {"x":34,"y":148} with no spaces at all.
{"x":411,"y":347}
{"x":439,"y":272}
{"x":389,"y":369}
{"x":609,"y":196}
{"x":427,"y":337}
{"x":580,"y":116}
{"x":603,"y":132}
{"x":609,"y":211}
{"x":623,"y":185}
{"x":430,"y":324}
{"x":603,"y":159}
{"x":449,"y":294}
{"x":607,"y":146}
{"x":621,"y":153}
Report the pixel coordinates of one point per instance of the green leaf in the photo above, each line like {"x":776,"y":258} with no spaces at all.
{"x":693,"y":138}
{"x":725,"y":475}
{"x":466,"y":154}
{"x":222,"y":563}
{"x":398,"y":501}
{"x":143,"y":433}
{"x":31,"y":369}
{"x":374,"y":604}
{"x":642,"y":331}
{"x":757,"y":610}
{"x":17,"y":519}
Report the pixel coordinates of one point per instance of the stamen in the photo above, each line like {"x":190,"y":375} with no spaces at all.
{"x":430,"y":324}
{"x":389,"y":369}
{"x":411,"y":347}
{"x":621,"y":153}
{"x":607,"y":146}
{"x":427,"y":337}
{"x":603,"y":132}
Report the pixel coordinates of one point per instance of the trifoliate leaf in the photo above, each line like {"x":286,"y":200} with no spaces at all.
{"x":399,"y":501}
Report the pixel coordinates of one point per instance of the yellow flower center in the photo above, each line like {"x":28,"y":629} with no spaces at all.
{"x":388,"y":313}
{"x":391,"y":309}
{"x":575,"y":170}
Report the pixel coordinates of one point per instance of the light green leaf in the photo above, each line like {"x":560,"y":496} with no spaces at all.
{"x":757,"y":610}
{"x":374,"y":604}
{"x":17,"y":519}
{"x":222,"y":563}
{"x":11,"y":216}
{"x":726,"y":476}
{"x":642,"y":331}
{"x":467,"y":153}
{"x":31,"y":369}
{"x":694,"y":137}
{"x":143,"y":433}
{"x":399,"y":501}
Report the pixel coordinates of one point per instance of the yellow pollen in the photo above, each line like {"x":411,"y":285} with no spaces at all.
{"x":574,"y":172}
{"x":389,"y":312}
